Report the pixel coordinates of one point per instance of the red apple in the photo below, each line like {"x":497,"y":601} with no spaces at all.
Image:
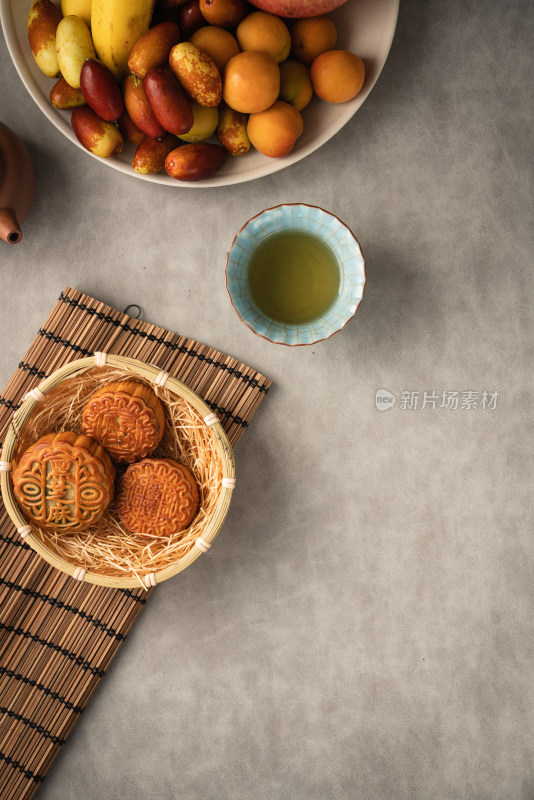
{"x":297,"y":8}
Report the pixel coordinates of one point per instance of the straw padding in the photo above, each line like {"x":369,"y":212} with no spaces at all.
{"x":107,"y":553}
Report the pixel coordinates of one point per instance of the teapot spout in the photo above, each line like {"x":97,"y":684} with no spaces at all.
{"x":10,"y":230}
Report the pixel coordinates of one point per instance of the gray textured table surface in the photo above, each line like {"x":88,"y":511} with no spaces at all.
{"x":364,"y":627}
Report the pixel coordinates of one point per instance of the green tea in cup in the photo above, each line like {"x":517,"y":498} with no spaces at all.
{"x":293,"y":276}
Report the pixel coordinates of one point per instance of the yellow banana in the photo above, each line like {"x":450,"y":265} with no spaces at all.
{"x":116,"y":25}
{"x":78,"y":8}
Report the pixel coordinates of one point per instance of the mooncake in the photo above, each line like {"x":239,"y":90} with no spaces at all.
{"x":64,"y":481}
{"x":157,"y":496}
{"x":126,"y":418}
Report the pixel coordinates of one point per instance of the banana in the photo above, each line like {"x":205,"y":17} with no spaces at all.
{"x":116,"y":25}
{"x":80,"y":8}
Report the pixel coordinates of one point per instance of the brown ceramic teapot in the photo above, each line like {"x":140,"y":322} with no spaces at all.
{"x":17,"y":184}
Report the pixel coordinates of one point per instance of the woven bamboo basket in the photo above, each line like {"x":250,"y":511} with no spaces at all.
{"x":87,"y":374}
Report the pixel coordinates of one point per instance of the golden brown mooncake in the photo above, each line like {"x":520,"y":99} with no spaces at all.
{"x":64,"y":481}
{"x":125,"y":417}
{"x":158,"y":496}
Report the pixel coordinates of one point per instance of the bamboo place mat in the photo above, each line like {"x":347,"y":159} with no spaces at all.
{"x":58,"y":636}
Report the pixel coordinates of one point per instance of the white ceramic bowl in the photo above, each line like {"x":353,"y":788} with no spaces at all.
{"x":365,"y":27}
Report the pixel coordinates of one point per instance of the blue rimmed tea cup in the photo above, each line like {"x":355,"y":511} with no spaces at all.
{"x":307,"y":219}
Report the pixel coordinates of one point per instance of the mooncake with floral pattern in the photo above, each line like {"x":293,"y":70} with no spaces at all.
{"x":125,"y":417}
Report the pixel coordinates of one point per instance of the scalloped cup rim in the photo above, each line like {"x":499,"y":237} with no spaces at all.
{"x":358,"y":300}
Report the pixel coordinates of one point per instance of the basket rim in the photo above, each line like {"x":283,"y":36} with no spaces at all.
{"x":147,"y":372}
